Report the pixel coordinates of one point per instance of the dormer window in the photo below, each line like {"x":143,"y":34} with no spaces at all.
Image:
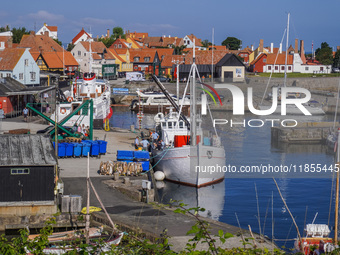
{"x":147,"y":59}
{"x":136,"y":59}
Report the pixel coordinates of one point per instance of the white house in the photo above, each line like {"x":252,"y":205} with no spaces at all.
{"x":188,"y":41}
{"x":19,"y":64}
{"x":92,"y":61}
{"x":82,"y":36}
{"x":52,"y":31}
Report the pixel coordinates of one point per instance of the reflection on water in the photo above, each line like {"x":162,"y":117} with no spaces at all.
{"x":210,"y":198}
{"x":252,"y":146}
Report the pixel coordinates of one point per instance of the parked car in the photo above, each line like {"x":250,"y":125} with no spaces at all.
{"x":163,"y":79}
{"x":335,"y":70}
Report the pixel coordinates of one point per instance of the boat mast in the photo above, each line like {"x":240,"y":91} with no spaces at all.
{"x":337,"y":193}
{"x":193,"y":101}
{"x":285,"y":79}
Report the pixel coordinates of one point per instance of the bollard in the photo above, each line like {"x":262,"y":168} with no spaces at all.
{"x":116,"y":176}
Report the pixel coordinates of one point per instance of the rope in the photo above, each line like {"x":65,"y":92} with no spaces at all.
{"x":152,"y":167}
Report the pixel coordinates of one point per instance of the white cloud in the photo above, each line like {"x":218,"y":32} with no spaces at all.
{"x":44,"y":16}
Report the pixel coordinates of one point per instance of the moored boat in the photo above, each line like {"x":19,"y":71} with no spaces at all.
{"x":191,"y":157}
{"x":84,"y":89}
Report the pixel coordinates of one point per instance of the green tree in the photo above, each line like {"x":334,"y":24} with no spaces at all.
{"x":336,"y":61}
{"x":107,"y":41}
{"x":232,"y":43}
{"x":324,"y":54}
{"x":57,"y":41}
{"x":116,"y":32}
{"x":18,"y":33}
{"x":4,"y":29}
{"x":70,"y":46}
{"x":178,"y":50}
{"x":206,"y":43}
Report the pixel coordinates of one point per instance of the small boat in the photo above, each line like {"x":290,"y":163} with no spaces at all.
{"x":191,"y":157}
{"x":84,"y":89}
{"x":154,"y":102}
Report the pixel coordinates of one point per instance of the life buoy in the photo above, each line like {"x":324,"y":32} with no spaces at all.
{"x":62,"y":110}
{"x":70,"y":99}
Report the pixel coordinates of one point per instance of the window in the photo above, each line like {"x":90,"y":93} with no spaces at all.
{"x":2,"y":45}
{"x":20,"y":171}
{"x":84,"y":54}
{"x":282,"y":68}
{"x":1,"y":75}
{"x":181,"y":124}
{"x":39,"y":62}
{"x":276,"y":68}
{"x":136,"y":59}
{"x":33,"y":76}
{"x":79,"y":53}
{"x":8,"y":75}
{"x":264,"y":60}
{"x":26,"y":62}
{"x":147,"y":59}
{"x":306,"y":68}
{"x":119,"y":46}
{"x":269,"y":68}
{"x":21,"y":76}
{"x":321,"y":68}
{"x":289,"y":68}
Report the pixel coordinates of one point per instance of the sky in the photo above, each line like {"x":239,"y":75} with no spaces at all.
{"x":247,"y":20}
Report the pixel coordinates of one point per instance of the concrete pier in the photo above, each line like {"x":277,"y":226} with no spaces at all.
{"x":308,"y":132}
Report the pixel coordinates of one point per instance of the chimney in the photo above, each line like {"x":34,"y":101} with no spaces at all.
{"x":296,"y":46}
{"x":302,"y":48}
{"x":32,"y":33}
{"x":108,"y":33}
{"x":261,"y":45}
{"x":271,"y":47}
{"x":280,"y":50}
{"x":46,"y":33}
{"x":10,"y":42}
{"x":252,"y":47}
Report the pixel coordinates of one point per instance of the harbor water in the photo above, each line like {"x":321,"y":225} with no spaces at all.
{"x":254,"y":200}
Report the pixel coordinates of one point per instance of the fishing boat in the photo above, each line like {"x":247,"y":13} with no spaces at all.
{"x":84,"y":89}
{"x":154,"y":101}
{"x":317,"y":237}
{"x":191,"y":157}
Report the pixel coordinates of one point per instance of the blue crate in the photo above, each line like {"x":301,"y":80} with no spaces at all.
{"x":94,"y":149}
{"x":69,"y":149}
{"x":141,"y":155}
{"x":77,"y":149}
{"x":86,"y":148}
{"x":61,"y":150}
{"x":121,"y":155}
{"x":145,"y":165}
{"x":127,"y":161}
{"x":102,"y":146}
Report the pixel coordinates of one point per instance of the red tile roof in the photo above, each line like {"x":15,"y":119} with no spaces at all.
{"x":39,"y":43}
{"x":52,"y":28}
{"x":168,"y":60}
{"x":115,"y":54}
{"x":142,"y":53}
{"x":97,"y":47}
{"x":205,"y":57}
{"x":9,"y":58}
{"x":80,"y":34}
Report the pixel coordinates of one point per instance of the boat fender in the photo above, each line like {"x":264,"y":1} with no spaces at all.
{"x":62,"y":110}
{"x":70,"y":99}
{"x":133,"y":104}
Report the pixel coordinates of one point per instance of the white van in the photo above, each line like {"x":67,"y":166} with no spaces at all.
{"x":135,"y":76}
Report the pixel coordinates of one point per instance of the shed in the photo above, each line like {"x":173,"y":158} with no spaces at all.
{"x":27,"y":168}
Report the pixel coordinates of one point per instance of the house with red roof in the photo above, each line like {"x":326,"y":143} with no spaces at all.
{"x":121,"y":44}
{"x":51,"y":31}
{"x":6,"y":40}
{"x":49,"y":55}
{"x":82,"y":36}
{"x":91,"y":56}
{"x":19,"y":64}
{"x":188,"y":41}
{"x":296,"y":62}
{"x":121,"y":60}
{"x":145,"y":60}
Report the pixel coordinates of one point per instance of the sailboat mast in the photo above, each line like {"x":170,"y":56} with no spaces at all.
{"x":336,"y":221}
{"x":285,"y":79}
{"x":193,"y":101}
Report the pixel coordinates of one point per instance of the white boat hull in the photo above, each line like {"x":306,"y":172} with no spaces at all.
{"x":181,"y":164}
